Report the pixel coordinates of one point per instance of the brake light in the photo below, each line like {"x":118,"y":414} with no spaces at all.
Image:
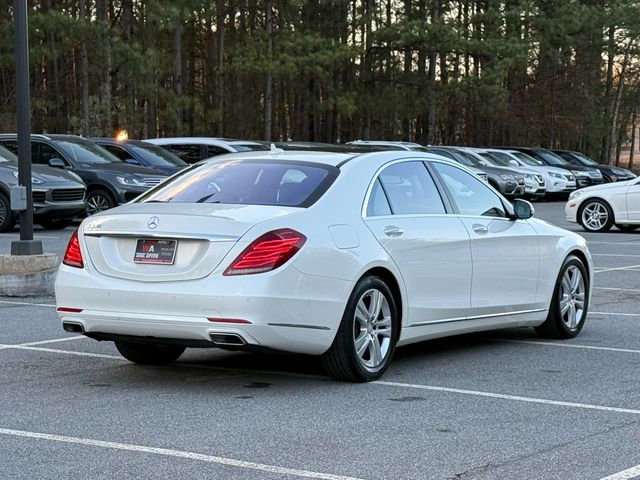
{"x":68,"y":310}
{"x":73,"y":255}
{"x":267,"y":252}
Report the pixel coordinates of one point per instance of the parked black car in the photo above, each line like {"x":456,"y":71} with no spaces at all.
{"x":58,"y":196}
{"x":136,"y":152}
{"x":585,"y":176}
{"x":610,"y":173}
{"x":508,"y":182}
{"x":109,"y":180}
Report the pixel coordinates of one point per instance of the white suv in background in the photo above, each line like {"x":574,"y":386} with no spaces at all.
{"x":558,"y":180}
{"x":194,"y":149}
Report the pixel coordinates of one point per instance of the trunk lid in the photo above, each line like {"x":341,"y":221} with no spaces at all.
{"x":204,"y":234}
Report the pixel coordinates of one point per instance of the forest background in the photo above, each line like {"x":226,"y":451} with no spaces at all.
{"x":552,"y":73}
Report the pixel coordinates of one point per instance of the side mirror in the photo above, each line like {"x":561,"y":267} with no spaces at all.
{"x":131,"y":161}
{"x":57,"y":163}
{"x":522,"y":209}
{"x":513,"y":163}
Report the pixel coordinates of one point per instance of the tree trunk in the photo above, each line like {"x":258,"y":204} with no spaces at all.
{"x":102,"y":16}
{"x":84,"y":76}
{"x":220,"y":28}
{"x":268,"y":91}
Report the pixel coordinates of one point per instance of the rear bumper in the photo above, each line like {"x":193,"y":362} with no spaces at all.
{"x":287,"y":310}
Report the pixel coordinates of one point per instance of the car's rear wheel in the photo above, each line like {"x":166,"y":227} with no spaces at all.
{"x":6,"y":215}
{"x":366,"y":339}
{"x":595,"y":216}
{"x":55,"y":223}
{"x":149,"y":354}
{"x":627,"y":228}
{"x":98,"y":201}
{"x":570,"y":302}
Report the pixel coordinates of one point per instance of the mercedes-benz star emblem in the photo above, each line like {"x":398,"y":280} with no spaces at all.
{"x":153,"y":222}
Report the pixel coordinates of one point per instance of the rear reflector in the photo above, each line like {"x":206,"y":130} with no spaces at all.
{"x":228,"y":320}
{"x":73,"y":255}
{"x":68,"y":310}
{"x":267,"y":252}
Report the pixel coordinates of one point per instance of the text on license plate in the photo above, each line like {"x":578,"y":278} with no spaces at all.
{"x":156,"y":251}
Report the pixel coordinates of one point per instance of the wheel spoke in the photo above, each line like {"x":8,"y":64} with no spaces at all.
{"x":572,"y":316}
{"x":385,"y":332}
{"x":566,"y":284}
{"x":376,"y":304}
{"x":376,"y":351}
{"x":575,"y":280}
{"x":564,"y":306}
{"x":361,"y":343}
{"x":362,"y":315}
{"x":382,"y":322}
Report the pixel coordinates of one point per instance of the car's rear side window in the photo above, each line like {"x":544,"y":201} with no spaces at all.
{"x":254,"y":182}
{"x":410,"y":189}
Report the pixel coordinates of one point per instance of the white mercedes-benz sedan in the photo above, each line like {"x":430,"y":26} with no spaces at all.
{"x":338,"y":255}
{"x":600,"y":207}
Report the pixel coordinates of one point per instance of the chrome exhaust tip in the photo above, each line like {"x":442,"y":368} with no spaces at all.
{"x":72,"y":327}
{"x":227,"y":339}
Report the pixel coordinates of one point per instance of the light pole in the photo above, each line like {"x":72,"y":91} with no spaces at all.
{"x":26,"y":245}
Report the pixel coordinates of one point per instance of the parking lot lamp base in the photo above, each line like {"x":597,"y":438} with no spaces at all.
{"x":26,"y":247}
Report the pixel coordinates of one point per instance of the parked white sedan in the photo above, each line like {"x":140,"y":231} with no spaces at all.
{"x":343,"y":256}
{"x":600,"y":207}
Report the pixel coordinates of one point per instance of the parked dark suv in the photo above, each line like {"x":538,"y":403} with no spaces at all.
{"x":611,"y":173}
{"x":58,"y":196}
{"x":136,"y":152}
{"x":585,"y":176}
{"x":109,"y":180}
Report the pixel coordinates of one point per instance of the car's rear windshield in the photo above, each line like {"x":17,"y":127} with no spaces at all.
{"x":248,"y":182}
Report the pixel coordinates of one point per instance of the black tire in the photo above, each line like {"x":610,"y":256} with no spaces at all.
{"x":601,"y":208}
{"x":55,"y":223}
{"x":99,"y":200}
{"x":342,"y":361}
{"x":557,"y":325}
{"x":7,"y":221}
{"x":149,"y":353}
{"x":627,"y":228}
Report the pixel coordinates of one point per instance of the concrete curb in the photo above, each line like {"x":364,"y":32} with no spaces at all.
{"x":25,"y":276}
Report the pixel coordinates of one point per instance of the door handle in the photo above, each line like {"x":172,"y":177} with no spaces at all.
{"x":480,"y":229}
{"x":391,"y":231}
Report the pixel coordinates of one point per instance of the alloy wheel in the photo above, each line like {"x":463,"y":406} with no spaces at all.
{"x":595,"y":216}
{"x":572,"y":297}
{"x":97,"y":203}
{"x":372,"y":329}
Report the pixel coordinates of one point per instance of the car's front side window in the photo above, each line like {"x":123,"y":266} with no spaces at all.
{"x":471,"y":195}
{"x":410,"y":189}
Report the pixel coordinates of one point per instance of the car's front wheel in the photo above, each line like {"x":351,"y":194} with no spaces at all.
{"x":595,"y":216}
{"x":570,"y":302}
{"x":366,"y":339}
{"x":149,"y":354}
{"x":99,"y":201}
{"x":7,"y":221}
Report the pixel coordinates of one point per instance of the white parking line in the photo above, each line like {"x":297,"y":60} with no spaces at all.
{"x":616,"y":314}
{"x":629,"y":267}
{"x":612,"y":255}
{"x":568,"y":345}
{"x":502,"y":396}
{"x":378,"y":382}
{"x":13,"y":302}
{"x":613,"y":289}
{"x":15,"y":235}
{"x":231,"y":462}
{"x":614,"y":243}
{"x":53,"y":350}
{"x":633,"y":472}
{"x":54,"y":340}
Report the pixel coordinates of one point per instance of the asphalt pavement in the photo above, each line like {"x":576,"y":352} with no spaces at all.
{"x":497,"y":405}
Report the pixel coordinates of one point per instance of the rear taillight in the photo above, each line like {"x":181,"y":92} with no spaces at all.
{"x":267,"y":252}
{"x":73,"y":255}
